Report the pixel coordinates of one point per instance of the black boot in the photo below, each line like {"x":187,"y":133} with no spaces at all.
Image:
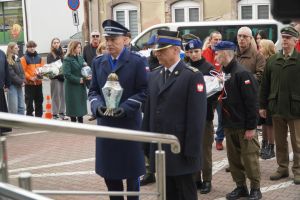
{"x":255,"y":194}
{"x":263,"y":148}
{"x":269,"y":152}
{"x":240,"y":191}
{"x":199,"y":184}
{"x":147,"y":179}
{"x":206,"y":187}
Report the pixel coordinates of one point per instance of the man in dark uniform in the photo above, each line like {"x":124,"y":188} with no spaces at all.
{"x":239,"y":100}
{"x":176,"y":104}
{"x":280,"y":93}
{"x":118,"y":159}
{"x":199,"y":62}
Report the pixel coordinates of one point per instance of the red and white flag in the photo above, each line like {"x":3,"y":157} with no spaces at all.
{"x":200,"y":87}
{"x":247,"y":82}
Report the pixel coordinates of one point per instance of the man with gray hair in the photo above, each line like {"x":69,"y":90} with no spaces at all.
{"x":239,"y":118}
{"x":89,"y":51}
{"x":247,"y":53}
{"x":280,"y":93}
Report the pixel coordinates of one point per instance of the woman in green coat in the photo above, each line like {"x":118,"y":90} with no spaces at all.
{"x":75,"y":89}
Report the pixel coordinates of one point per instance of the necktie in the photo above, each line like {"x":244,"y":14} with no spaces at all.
{"x":167,"y":74}
{"x":114,"y":64}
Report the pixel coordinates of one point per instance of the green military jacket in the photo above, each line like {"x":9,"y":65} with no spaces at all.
{"x":280,"y":90}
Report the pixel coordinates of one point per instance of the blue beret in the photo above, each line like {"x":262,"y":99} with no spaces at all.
{"x":225,"y":45}
{"x":167,"y":39}
{"x":194,"y":44}
{"x":113,"y":28}
{"x":152,"y":40}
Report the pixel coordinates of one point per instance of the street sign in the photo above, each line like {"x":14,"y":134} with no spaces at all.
{"x":75,"y":17}
{"x":73,"y":4}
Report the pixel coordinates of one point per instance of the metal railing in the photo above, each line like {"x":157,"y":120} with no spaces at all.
{"x":11,"y":192}
{"x":12,"y":120}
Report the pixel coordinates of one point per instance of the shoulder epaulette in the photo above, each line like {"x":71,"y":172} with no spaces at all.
{"x":194,"y":69}
{"x":156,"y":68}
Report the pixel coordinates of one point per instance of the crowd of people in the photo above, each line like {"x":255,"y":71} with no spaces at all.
{"x":166,"y":94}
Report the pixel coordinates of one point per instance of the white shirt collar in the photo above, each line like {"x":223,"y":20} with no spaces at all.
{"x":171,"y":69}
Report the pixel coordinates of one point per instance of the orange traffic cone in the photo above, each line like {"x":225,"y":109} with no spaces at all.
{"x":48,"y":113}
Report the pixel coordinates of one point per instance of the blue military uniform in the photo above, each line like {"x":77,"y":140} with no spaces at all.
{"x":118,"y":159}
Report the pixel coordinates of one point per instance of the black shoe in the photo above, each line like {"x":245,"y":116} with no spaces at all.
{"x":206,"y":187}
{"x":264,"y":147}
{"x":227,"y":169}
{"x":241,"y":191}
{"x":199,"y":184}
{"x":147,"y":179}
{"x":255,"y":194}
{"x":269,"y":153}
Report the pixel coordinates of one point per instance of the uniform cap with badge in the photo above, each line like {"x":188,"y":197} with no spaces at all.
{"x":166,"y":39}
{"x":289,"y":31}
{"x":194,"y":44}
{"x":225,"y":45}
{"x":113,"y":28}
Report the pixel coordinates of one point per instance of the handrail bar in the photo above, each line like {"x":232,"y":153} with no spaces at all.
{"x":14,"y":120}
{"x":13,"y":192}
{"x":72,"y":192}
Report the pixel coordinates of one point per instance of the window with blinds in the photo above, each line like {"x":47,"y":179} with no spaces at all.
{"x":120,"y":17}
{"x":186,"y":11}
{"x":179,"y":15}
{"x":194,"y":14}
{"x":246,"y":12}
{"x":127,"y":15}
{"x":257,"y":9}
{"x":263,"y":12}
{"x":133,"y":23}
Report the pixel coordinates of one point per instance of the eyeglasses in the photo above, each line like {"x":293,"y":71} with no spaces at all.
{"x":243,"y":36}
{"x":95,"y":36}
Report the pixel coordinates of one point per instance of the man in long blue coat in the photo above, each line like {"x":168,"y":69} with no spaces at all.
{"x":118,"y":159}
{"x":176,"y":104}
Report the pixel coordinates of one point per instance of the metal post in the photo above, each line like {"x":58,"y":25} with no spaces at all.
{"x":3,"y":160}
{"x":25,"y":181}
{"x":160,"y":165}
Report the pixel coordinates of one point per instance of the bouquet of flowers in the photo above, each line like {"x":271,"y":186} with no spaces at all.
{"x":50,"y":70}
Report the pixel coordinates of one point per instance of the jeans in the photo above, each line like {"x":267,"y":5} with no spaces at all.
{"x":15,"y":99}
{"x":220,"y":129}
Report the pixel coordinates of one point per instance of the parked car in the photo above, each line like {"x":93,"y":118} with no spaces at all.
{"x":76,"y":37}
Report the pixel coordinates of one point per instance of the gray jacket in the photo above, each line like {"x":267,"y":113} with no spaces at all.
{"x":16,"y":73}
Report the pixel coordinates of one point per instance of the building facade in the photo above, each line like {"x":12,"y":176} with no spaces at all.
{"x":137,"y":15}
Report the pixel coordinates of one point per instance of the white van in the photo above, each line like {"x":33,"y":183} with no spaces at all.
{"x":228,"y":29}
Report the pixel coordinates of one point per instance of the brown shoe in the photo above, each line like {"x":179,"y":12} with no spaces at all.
{"x":278,"y":175}
{"x":92,"y":118}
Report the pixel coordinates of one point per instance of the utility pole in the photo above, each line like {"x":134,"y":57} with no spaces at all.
{"x":86,"y":23}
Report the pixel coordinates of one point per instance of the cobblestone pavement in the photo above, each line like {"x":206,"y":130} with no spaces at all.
{"x":66,"y":162}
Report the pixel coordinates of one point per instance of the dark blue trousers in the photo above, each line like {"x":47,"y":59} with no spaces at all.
{"x":117,"y":185}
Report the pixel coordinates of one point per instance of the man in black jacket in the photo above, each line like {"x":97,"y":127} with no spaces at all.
{"x":239,"y":100}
